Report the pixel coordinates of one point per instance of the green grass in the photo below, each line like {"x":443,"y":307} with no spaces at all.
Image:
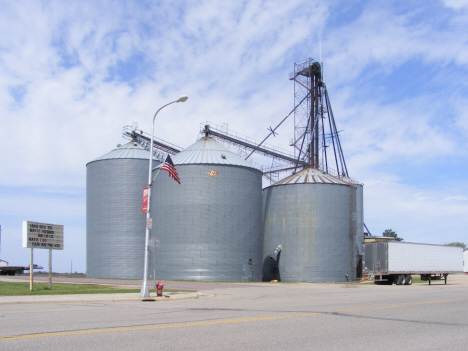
{"x":417,"y":280}
{"x":20,"y":289}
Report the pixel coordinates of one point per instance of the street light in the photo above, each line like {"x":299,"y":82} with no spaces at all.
{"x":144,"y":292}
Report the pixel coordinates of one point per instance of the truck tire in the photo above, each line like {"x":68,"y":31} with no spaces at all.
{"x":400,"y":279}
{"x":408,"y":280}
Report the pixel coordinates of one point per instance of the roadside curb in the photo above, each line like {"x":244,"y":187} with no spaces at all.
{"x":84,"y":298}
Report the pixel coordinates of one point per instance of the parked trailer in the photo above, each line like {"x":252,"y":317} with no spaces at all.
{"x":395,"y":262}
{"x":465,"y":261}
{"x":16,"y":270}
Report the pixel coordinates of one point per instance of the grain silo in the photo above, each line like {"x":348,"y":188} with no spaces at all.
{"x":209,"y":226}
{"x":314,"y":216}
{"x":359,"y":226}
{"x":115,"y":224}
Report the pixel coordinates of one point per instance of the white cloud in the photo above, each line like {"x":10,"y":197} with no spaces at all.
{"x":456,"y":4}
{"x":456,"y":198}
{"x":415,"y":214}
{"x":381,"y":35}
{"x":74,"y":73}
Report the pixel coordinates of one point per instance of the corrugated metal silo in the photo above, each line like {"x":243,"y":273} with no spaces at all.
{"x":315,"y":217}
{"x":209,"y":226}
{"x":359,"y":216}
{"x":115,"y":224}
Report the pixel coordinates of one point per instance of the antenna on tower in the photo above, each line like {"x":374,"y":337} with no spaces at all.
{"x":320,"y":45}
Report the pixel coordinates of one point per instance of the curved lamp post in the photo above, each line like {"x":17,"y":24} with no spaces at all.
{"x":144,"y":292}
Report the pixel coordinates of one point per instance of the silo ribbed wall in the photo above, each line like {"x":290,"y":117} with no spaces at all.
{"x":209,"y":227}
{"x":115,"y":224}
{"x":314,"y":224}
{"x":359,"y":216}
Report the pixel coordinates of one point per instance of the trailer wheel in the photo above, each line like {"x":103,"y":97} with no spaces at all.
{"x":408,"y":280}
{"x":400,"y":279}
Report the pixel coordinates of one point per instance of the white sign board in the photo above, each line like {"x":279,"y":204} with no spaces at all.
{"x":149,"y":223}
{"x":42,"y":235}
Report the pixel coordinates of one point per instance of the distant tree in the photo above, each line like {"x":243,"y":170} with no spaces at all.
{"x":391,"y":234}
{"x":457,"y":244}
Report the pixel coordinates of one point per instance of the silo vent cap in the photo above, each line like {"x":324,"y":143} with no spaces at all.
{"x":223,"y":156}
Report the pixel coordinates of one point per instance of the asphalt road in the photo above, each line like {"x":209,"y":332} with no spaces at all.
{"x":253,"y":317}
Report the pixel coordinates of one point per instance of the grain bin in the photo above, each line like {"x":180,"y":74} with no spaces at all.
{"x":115,"y":224}
{"x":209,"y":226}
{"x":314,"y":216}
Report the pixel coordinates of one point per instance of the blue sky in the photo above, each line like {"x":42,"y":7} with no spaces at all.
{"x":73,"y":73}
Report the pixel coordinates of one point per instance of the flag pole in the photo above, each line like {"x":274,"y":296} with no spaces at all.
{"x":155,"y":177}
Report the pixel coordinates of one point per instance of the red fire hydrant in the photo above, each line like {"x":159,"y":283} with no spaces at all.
{"x":160,"y":287}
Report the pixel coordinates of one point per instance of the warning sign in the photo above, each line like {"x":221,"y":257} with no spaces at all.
{"x":149,"y":223}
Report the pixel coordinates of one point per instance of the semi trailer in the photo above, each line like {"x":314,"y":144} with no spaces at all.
{"x":395,"y":262}
{"x":15,"y":270}
{"x":465,"y":261}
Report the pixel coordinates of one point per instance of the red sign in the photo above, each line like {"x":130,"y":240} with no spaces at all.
{"x":145,"y":200}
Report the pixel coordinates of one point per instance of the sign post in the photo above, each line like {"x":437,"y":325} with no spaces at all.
{"x":42,"y":236}
{"x":31,"y":270}
{"x":50,"y":269}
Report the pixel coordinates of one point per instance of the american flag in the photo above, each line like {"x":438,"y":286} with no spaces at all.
{"x":169,"y":166}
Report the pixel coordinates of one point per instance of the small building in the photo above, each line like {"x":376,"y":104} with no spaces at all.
{"x":377,"y":239}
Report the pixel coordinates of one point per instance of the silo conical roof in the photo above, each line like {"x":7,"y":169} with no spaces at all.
{"x":313,"y":176}
{"x":130,"y":150}
{"x":206,"y":150}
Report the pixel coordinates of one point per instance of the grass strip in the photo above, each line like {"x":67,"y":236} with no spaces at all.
{"x":22,"y":289}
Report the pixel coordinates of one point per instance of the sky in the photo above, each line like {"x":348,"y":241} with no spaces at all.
{"x":74,"y":73}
